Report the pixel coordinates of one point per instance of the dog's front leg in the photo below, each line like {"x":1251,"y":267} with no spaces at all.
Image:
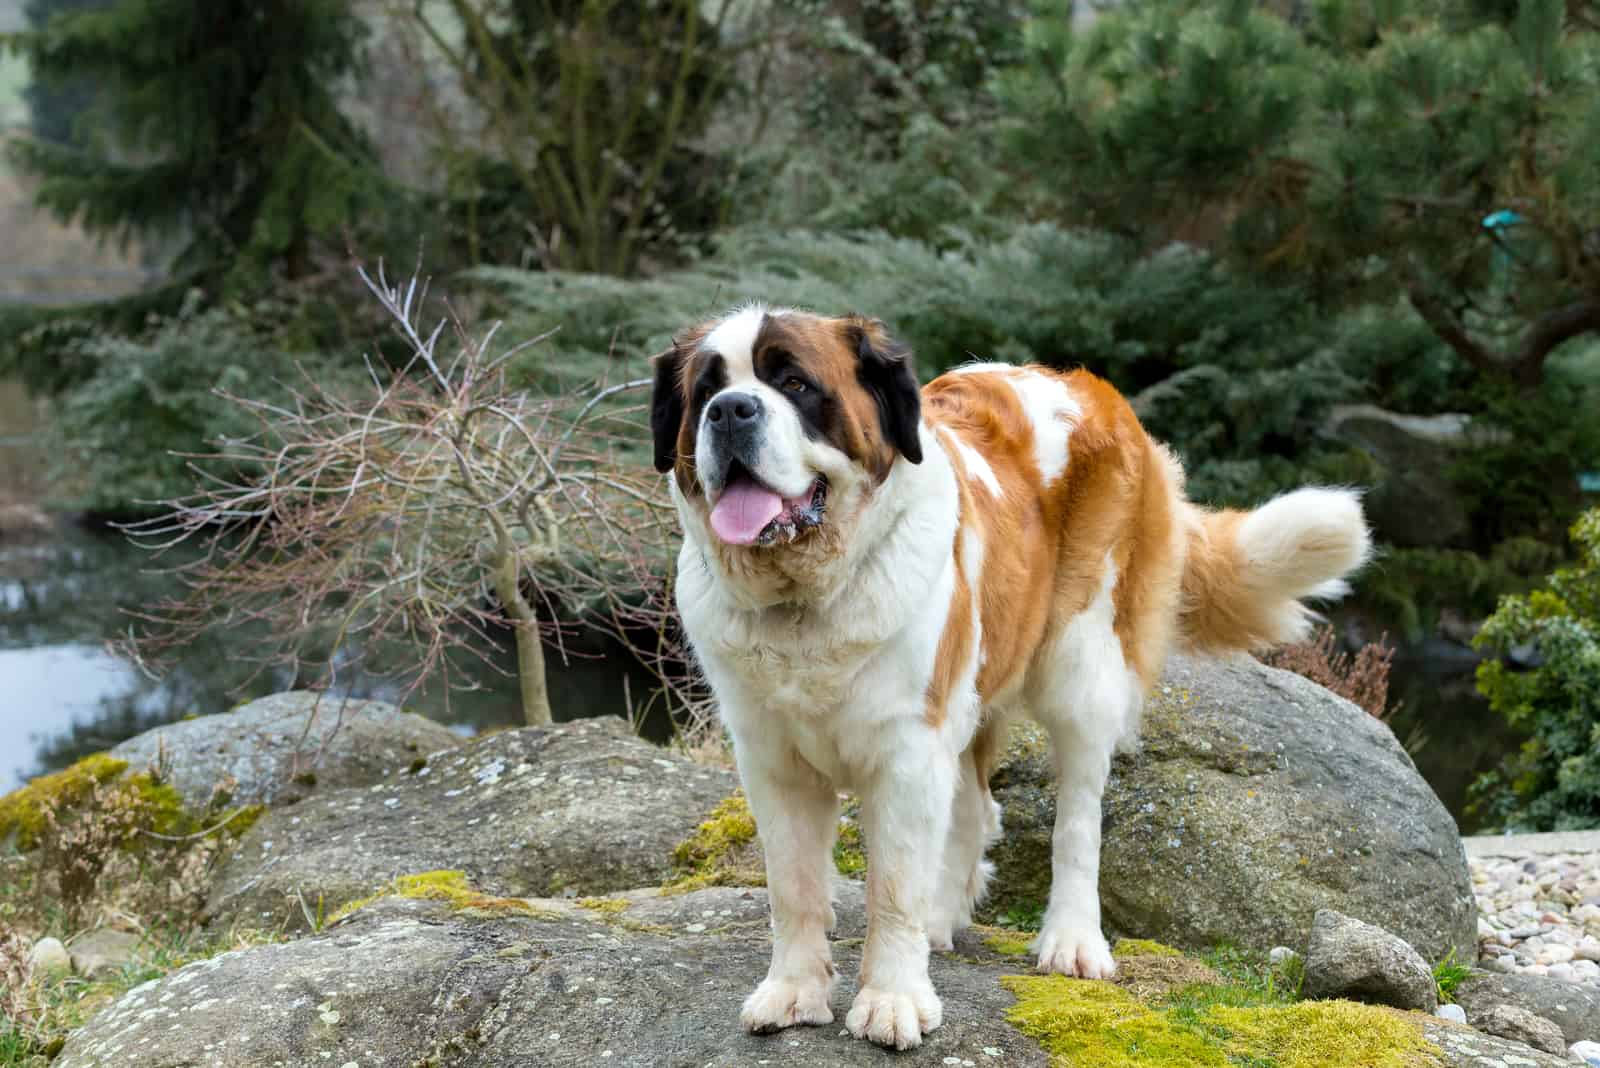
{"x":796,"y":814}
{"x":906,"y":816}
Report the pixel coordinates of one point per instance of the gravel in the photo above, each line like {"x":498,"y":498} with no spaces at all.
{"x":1540,"y":915}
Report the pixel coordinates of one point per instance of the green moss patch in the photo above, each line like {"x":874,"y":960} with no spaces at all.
{"x":722,"y":851}
{"x":849,"y":849}
{"x":608,"y":906}
{"x":1082,"y":1023}
{"x":1143,"y":947}
{"x":450,"y":887}
{"x":1001,"y":940}
{"x":22,"y":811}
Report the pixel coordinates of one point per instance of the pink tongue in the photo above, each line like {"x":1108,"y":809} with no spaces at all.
{"x":743,"y":512}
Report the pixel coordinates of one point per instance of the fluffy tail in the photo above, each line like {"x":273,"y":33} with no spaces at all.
{"x":1246,"y":572}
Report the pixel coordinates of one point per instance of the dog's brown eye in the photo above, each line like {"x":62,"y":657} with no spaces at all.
{"x":794,"y":385}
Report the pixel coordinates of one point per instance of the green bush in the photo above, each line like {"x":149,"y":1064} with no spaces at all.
{"x":1408,"y":589}
{"x":1237,"y":375}
{"x":1553,"y":783}
{"x":146,"y":401}
{"x":1521,"y":478}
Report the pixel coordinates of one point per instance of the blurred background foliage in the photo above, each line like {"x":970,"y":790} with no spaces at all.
{"x":1335,"y":241}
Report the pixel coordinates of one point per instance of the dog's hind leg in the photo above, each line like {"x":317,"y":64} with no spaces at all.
{"x":1084,"y":695}
{"x":974,"y":825}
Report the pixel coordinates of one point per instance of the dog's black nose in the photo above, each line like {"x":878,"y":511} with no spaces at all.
{"x":737,"y":410}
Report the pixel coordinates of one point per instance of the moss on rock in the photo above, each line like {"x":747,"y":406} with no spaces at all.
{"x":849,"y":848}
{"x":1079,"y":1022}
{"x":608,"y":906}
{"x":723,"y":851}
{"x":450,"y":887}
{"x":22,"y":812}
{"x":1007,"y":942}
{"x":1143,"y":947}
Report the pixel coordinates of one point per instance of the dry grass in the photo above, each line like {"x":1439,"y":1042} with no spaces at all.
{"x":1362,"y":677}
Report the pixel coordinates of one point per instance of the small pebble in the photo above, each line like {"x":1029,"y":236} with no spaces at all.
{"x":1453,"y":1013}
{"x":50,"y":958}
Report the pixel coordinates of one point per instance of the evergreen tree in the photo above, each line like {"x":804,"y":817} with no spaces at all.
{"x":1444,"y":149}
{"x":215,"y":120}
{"x":54,"y":104}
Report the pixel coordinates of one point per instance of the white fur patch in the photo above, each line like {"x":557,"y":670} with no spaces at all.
{"x":735,"y":340}
{"x":973,"y":461}
{"x":1054,"y":412}
{"x":983,"y":368}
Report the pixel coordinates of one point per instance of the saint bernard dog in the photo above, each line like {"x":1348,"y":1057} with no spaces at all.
{"x":876,"y":579}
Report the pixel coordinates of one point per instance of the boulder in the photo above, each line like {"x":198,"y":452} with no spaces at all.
{"x":1255,"y":798}
{"x":272,"y":749}
{"x":1460,"y":1046}
{"x":577,"y":808}
{"x":1520,"y":1025}
{"x":1346,"y":958}
{"x":1414,"y":503}
{"x":1570,"y":1006}
{"x":102,"y":950}
{"x":406,"y":982}
{"x":639,"y":980}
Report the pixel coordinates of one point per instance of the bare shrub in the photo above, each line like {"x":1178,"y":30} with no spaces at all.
{"x":427,"y":512}
{"x":1361,"y":678}
{"x":17,"y":1006}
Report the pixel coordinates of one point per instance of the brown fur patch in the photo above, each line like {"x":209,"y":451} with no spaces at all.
{"x":823,"y":349}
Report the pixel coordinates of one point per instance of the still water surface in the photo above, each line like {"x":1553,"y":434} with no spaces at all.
{"x":64,"y":694}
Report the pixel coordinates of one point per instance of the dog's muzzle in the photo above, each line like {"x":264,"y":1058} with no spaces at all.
{"x":736,"y":424}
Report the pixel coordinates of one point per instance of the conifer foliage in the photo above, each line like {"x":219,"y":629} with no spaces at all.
{"x":218,"y":125}
{"x":1445,"y":149}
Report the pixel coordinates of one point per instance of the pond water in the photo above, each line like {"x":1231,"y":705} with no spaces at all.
{"x":65,"y":694}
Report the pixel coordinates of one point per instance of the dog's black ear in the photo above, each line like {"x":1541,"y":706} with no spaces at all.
{"x":884,"y":367}
{"x":666,"y":406}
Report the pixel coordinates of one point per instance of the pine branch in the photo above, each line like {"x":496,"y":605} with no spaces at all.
{"x":1548,"y":332}
{"x":1444,"y":323}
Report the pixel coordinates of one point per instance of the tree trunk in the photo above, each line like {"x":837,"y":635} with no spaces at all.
{"x":530,"y":674}
{"x":530,"y":647}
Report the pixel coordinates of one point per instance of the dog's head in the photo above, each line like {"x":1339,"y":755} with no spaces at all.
{"x":779,"y":424}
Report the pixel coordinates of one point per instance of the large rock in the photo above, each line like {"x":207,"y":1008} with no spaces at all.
{"x":1257,"y":797}
{"x":1572,"y":1007}
{"x":559,"y":984}
{"x":1346,"y":958}
{"x":1463,"y":1047}
{"x":578,"y":808}
{"x":103,"y":950}
{"x":1520,"y":1025}
{"x":272,"y":748}
{"x":414,"y":982}
{"x":1415,"y":502}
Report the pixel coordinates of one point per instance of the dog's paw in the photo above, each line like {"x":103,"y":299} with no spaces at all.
{"x":1076,"y":951}
{"x":941,"y":939}
{"x":895,"y":1018}
{"x":780,"y":1003}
